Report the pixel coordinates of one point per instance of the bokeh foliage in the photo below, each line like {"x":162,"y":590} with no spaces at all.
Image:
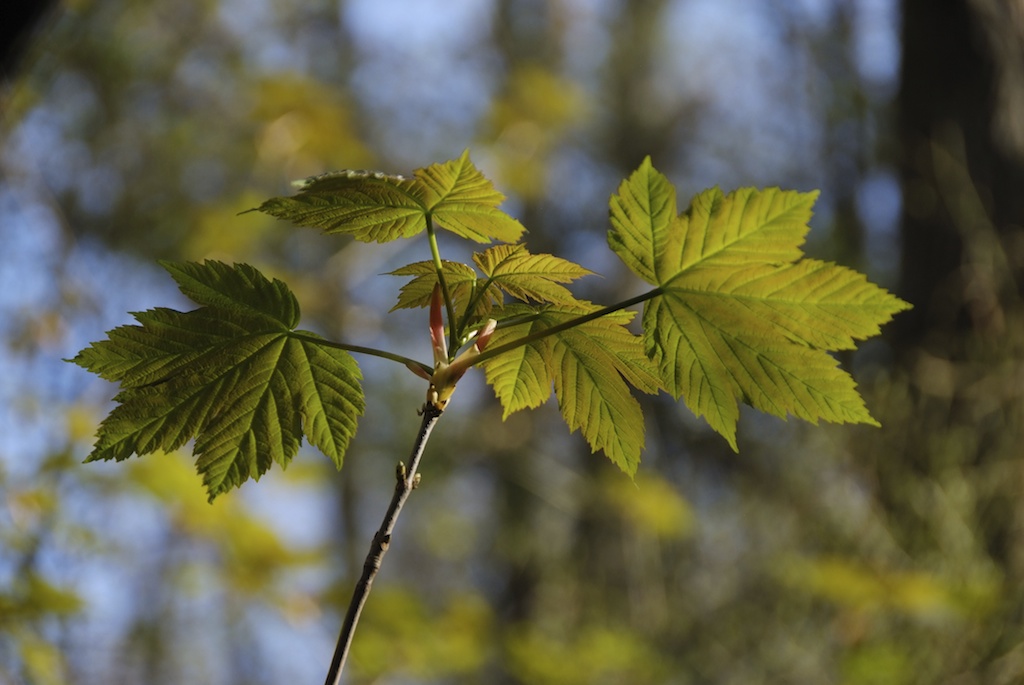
{"x":139,"y":130}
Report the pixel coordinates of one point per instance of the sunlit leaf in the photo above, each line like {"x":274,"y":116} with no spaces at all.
{"x":816,"y":303}
{"x":506,"y":270}
{"x":588,"y":366}
{"x":369,"y":206}
{"x":372,"y":206}
{"x":529,"y":277}
{"x":595,"y":399}
{"x":461,"y":279}
{"x":464,"y":202}
{"x":521,"y":377}
{"x":714,"y":363}
{"x":233,"y":374}
{"x":737,"y":315}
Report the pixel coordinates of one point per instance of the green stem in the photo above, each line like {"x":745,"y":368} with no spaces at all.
{"x":519,"y":320}
{"x":439,"y":267}
{"x":491,"y":352}
{"x":364,"y":350}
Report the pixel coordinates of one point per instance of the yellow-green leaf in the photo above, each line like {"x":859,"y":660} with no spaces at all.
{"x":461,"y":280}
{"x":747,"y":226}
{"x":520,"y":377}
{"x":529,"y":277}
{"x":817,"y":303}
{"x":595,"y":399}
{"x":588,"y":365}
{"x":736,"y":314}
{"x":463,"y":201}
{"x":370,"y":206}
{"x":712,"y":363}
{"x":643,"y":216}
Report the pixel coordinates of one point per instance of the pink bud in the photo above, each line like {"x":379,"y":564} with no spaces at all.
{"x":437,"y":326}
{"x":484,"y":336}
{"x":418,"y":370}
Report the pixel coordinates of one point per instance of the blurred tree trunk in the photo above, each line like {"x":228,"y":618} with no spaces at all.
{"x":961,"y":107}
{"x":632,"y":132}
{"x":524,"y":35}
{"x":22,"y":19}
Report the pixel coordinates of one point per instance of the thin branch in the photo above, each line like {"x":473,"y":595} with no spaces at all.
{"x":406,"y":481}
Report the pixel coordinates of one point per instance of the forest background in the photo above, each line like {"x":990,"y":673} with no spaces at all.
{"x":137,"y":130}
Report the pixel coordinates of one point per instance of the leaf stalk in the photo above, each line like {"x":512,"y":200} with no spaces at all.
{"x":359,"y":349}
{"x":566,"y":325}
{"x":435,"y":252}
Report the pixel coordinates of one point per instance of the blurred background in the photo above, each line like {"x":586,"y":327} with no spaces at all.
{"x":134,"y":130}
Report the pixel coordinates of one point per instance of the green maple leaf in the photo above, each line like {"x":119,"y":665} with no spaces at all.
{"x":588,"y":366}
{"x":461,"y":280}
{"x":528,"y":277}
{"x":506,"y":269}
{"x":521,"y":377}
{"x":372,"y":206}
{"x":233,"y":374}
{"x":737,"y":315}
